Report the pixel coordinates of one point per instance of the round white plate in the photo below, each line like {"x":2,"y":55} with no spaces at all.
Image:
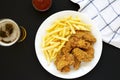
{"x":85,"y":67}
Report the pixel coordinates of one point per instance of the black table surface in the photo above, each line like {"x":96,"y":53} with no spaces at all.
{"x":19,"y":62}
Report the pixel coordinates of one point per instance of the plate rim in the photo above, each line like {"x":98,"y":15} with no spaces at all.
{"x":57,"y":13}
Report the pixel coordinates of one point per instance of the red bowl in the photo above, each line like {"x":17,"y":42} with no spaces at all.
{"x":41,"y":5}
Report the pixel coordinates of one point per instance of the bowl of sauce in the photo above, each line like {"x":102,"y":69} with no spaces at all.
{"x":41,"y":5}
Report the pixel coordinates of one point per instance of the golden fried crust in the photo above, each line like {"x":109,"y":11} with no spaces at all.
{"x":65,"y":69}
{"x":76,"y":65}
{"x":83,"y":44}
{"x":60,"y":63}
{"x":90,"y":54}
{"x":86,"y":35}
{"x":70,"y":59}
{"x":79,"y":54}
{"x":67,"y":48}
{"x":64,"y":60}
{"x":89,"y":37}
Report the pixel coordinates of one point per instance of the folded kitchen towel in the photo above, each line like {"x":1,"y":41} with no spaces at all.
{"x":106,"y":15}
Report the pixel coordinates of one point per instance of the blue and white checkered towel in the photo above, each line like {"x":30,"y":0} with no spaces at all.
{"x":106,"y":14}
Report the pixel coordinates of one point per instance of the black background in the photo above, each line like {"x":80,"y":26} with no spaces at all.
{"x":19,"y":62}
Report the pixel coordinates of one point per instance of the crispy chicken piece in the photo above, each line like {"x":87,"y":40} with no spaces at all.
{"x":79,"y":54}
{"x":90,"y":54}
{"x":67,"y":47}
{"x":61,"y":62}
{"x":86,"y":35}
{"x":73,"y":41}
{"x":70,"y":59}
{"x":58,"y":57}
{"x":64,"y":60}
{"x":65,"y":69}
{"x":89,"y":37}
{"x":83,"y":44}
{"x":77,"y":63}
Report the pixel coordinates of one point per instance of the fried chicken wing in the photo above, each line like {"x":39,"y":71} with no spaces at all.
{"x":86,"y":35}
{"x":79,"y":54}
{"x":67,"y":48}
{"x":77,"y":63}
{"x":64,"y":60}
{"x":61,"y":62}
{"x":90,"y":54}
{"x":82,"y":39}
{"x":65,"y":69}
{"x":89,"y":37}
{"x":83,"y":44}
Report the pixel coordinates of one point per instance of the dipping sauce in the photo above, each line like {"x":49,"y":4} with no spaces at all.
{"x":41,"y":5}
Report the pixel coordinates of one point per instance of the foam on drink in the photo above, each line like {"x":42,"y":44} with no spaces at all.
{"x":9,"y":32}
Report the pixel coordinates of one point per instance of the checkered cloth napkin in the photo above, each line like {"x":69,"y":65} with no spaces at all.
{"x":106,"y":15}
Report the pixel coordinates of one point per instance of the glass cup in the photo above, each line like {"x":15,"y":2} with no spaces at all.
{"x":10,"y":32}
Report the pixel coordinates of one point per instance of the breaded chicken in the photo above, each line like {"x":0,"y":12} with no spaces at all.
{"x":83,"y":44}
{"x":82,"y":39}
{"x":79,"y":54}
{"x":61,"y":62}
{"x":73,"y":41}
{"x":77,"y":63}
{"x":90,"y":54}
{"x":66,"y":69}
{"x":86,"y":35}
{"x":64,"y":60}
{"x":67,"y":48}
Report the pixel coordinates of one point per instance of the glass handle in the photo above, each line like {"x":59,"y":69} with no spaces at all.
{"x":23,"y":34}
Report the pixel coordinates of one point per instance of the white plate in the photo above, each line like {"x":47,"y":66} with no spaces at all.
{"x":85,"y":67}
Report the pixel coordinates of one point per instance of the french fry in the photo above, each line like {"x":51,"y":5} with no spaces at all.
{"x":52,"y":46}
{"x":61,"y":38}
{"x":71,"y":27}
